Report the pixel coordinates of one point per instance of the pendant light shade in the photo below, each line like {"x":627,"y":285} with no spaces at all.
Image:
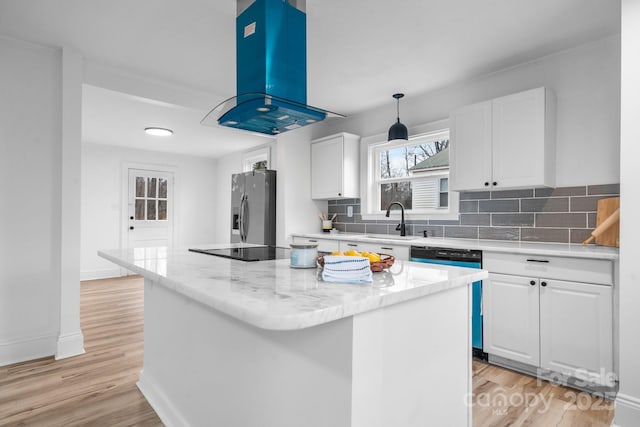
{"x":398,"y":131}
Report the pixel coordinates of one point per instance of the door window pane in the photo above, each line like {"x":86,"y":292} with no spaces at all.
{"x":151,"y":209}
{"x":162,"y":210}
{"x":162,"y":188}
{"x":140,"y":186}
{"x":151,"y":187}
{"x":140,"y":209}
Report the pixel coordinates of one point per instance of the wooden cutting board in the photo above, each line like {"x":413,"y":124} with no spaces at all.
{"x":611,"y":237}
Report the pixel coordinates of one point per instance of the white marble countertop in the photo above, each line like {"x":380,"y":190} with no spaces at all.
{"x":272,"y":295}
{"x":532,"y":248}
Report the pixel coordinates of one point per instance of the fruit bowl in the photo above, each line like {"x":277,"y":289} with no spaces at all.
{"x":386,"y":261}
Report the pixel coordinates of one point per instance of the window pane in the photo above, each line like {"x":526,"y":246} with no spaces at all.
{"x":151,"y":209}
{"x":396,"y":192}
{"x":139,"y":210}
{"x":262,"y":164}
{"x":397,"y":162}
{"x":444,"y":185}
{"x":139,"y":186}
{"x":151,"y":187}
{"x":444,"y":200}
{"x":162,"y":188}
{"x":162,"y":209}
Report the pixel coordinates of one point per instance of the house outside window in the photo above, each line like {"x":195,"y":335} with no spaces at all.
{"x":414,"y":173}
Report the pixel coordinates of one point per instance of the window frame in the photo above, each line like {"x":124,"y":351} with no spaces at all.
{"x":252,"y":157}
{"x":370,"y":171}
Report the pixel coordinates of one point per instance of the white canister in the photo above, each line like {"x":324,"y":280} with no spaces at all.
{"x":303,"y":255}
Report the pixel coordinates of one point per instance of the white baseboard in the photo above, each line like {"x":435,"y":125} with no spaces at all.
{"x":70,"y":345}
{"x":627,"y":411}
{"x":28,"y":348}
{"x":105,"y":273}
{"x":166,"y":411}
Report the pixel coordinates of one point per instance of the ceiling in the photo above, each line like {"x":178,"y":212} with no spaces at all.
{"x":359,"y":52}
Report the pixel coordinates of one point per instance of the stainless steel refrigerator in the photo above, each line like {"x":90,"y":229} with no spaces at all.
{"x":253,"y":207}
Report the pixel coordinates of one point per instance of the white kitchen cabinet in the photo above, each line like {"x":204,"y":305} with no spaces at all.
{"x":506,"y":142}
{"x":399,"y":252}
{"x":511,"y":318}
{"x":543,"y":314}
{"x":335,"y":167}
{"x":575,"y":329}
{"x":324,"y":245}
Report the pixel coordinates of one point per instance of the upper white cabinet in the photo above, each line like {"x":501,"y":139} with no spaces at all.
{"x":335,"y":167}
{"x":507,"y":142}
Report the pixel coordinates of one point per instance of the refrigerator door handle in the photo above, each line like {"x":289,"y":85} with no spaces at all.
{"x":243,"y":231}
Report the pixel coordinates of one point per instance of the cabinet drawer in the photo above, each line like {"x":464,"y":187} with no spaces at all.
{"x":324,"y":245}
{"x":399,"y":252}
{"x":550,"y":267}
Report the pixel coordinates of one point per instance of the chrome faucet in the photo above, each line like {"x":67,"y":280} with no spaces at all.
{"x":401,"y":226}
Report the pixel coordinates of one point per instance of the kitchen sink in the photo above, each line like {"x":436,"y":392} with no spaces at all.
{"x":390,"y":237}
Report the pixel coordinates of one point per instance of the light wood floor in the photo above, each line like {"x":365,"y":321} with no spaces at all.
{"x":98,"y":388}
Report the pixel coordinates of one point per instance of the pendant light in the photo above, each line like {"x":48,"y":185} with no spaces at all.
{"x":398,"y":131}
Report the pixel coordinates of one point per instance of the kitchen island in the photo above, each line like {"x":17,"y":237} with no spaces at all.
{"x":235,"y":343}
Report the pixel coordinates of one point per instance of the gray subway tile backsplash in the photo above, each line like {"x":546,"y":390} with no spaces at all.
{"x":511,"y":205}
{"x":604,"y":189}
{"x":499,"y":233}
{"x":562,"y":220}
{"x":561,"y":191}
{"x":565,"y":214}
{"x":513,"y":219}
{"x":512,"y":194}
{"x":545,"y":204}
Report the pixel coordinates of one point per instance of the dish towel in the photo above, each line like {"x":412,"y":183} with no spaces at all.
{"x":347,"y":269}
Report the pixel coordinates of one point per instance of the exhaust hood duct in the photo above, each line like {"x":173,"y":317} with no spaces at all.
{"x":271,"y":72}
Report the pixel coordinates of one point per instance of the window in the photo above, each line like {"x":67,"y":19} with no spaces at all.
{"x":414,"y":173}
{"x":151,"y":199}
{"x":256,"y":160}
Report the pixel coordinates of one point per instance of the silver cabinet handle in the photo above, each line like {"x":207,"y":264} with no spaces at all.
{"x":386,"y":249}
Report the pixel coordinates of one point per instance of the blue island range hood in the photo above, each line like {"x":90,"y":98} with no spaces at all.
{"x":271,"y":59}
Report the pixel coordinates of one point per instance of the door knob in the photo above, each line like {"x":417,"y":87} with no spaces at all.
{"x":131,"y":227}
{"x":543,"y":284}
{"x":131,"y":217}
{"x":532,"y":283}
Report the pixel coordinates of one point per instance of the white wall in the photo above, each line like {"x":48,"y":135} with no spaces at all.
{"x":586,"y":81}
{"x":195,"y":207}
{"x":627,"y":412}
{"x":30,"y":190}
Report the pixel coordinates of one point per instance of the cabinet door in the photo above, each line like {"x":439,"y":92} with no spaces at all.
{"x":519,"y":139}
{"x":511,"y":317}
{"x":326,"y":168}
{"x":471,"y":147}
{"x":576,"y":329}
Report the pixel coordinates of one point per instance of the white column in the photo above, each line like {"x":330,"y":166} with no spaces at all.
{"x":70,"y":340}
{"x":627,"y":411}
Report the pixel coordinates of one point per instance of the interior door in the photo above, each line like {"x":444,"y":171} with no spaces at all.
{"x":149,"y":209}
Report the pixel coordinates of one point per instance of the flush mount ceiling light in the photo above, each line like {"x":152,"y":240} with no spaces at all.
{"x":398,"y":131}
{"x":158,"y":131}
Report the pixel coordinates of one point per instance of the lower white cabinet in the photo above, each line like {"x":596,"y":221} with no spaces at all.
{"x":511,"y":310}
{"x":576,"y":332}
{"x":556,"y":325}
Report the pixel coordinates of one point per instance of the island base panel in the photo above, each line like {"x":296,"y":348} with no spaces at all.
{"x":406,"y":364}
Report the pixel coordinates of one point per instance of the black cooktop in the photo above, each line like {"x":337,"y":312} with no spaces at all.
{"x":256,"y":253}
